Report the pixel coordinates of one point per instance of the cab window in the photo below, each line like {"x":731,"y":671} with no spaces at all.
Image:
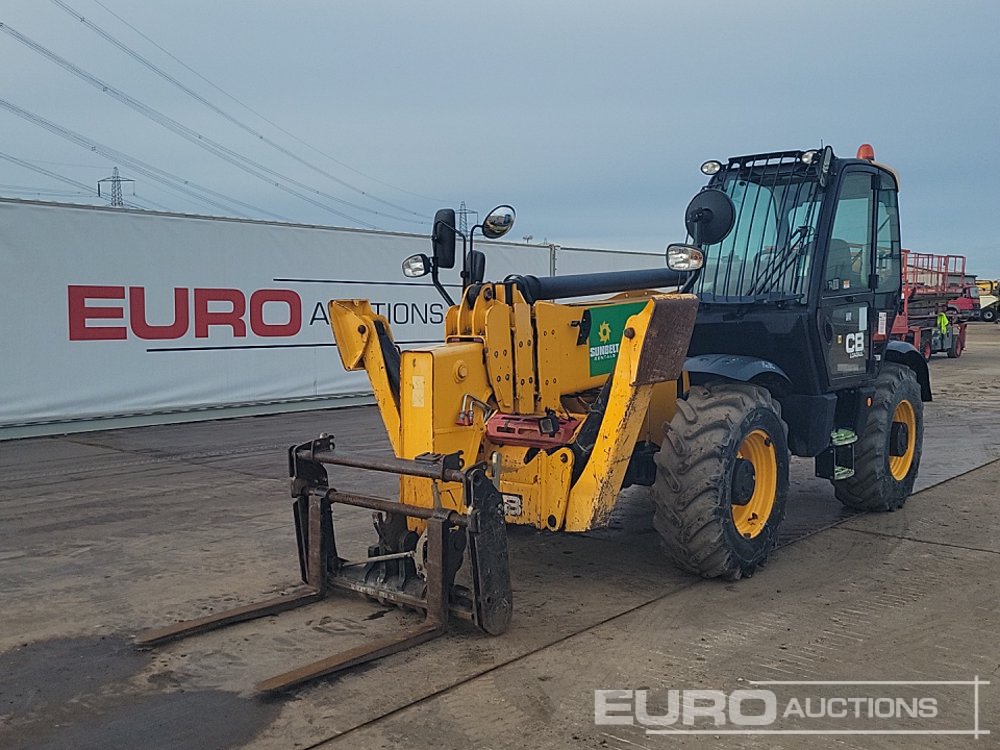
{"x":848,"y":259}
{"x":887,"y":247}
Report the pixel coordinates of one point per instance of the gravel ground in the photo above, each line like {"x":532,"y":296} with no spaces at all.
{"x":105,"y":533}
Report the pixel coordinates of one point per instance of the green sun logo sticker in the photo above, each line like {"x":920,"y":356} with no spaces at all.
{"x":606,"y":326}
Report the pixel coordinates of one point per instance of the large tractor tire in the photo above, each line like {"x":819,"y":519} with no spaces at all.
{"x":887,"y":454}
{"x":722,"y":480}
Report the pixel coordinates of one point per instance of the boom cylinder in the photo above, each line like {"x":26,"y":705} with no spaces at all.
{"x":585,"y":284}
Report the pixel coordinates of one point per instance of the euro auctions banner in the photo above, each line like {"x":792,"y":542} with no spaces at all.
{"x":110,"y":312}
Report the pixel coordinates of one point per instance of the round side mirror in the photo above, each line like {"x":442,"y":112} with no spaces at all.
{"x":416,"y":266}
{"x":710,"y":216}
{"x":684,"y":257}
{"x":498,"y":222}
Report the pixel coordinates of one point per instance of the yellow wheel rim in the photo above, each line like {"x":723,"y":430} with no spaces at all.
{"x":758,"y":449}
{"x":899,"y":466}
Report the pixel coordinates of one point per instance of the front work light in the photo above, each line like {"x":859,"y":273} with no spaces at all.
{"x":684,"y":258}
{"x":711,"y":167}
{"x":416,"y":266}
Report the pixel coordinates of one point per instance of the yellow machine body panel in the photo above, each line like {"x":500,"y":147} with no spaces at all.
{"x":433,"y":385}
{"x":505,"y":357}
{"x":536,"y":491}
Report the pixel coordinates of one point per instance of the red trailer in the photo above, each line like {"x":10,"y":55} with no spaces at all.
{"x":930,"y":319}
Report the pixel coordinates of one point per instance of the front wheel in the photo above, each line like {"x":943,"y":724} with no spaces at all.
{"x":722,"y":480}
{"x":887,"y":454}
{"x":989,"y":316}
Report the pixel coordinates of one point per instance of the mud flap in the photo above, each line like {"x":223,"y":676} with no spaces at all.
{"x":493,"y":599}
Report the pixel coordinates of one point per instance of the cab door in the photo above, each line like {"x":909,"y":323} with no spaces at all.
{"x":845,"y":312}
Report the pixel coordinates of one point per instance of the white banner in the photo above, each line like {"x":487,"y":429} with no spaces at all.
{"x":583,"y":260}
{"x":109,"y":312}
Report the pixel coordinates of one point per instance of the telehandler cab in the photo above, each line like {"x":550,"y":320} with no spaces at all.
{"x":537,"y":411}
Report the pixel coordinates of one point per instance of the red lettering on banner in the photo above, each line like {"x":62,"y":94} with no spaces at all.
{"x":279,"y":296}
{"x":203,"y":317}
{"x":137,"y":315}
{"x":80,"y":313}
{"x":234,"y":318}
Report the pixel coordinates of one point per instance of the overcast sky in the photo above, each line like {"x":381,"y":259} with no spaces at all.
{"x":590,"y":119}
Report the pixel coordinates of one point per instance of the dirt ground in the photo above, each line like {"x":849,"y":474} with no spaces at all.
{"x":103,"y":534}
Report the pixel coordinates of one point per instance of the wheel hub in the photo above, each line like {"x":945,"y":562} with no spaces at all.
{"x":754,"y":484}
{"x":899,"y":438}
{"x":902,"y":440}
{"x":744,"y":482}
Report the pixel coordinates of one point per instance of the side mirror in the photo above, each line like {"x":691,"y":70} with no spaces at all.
{"x":684,"y":257}
{"x":416,"y":266}
{"x":498,"y":222}
{"x":477,"y":266}
{"x":710,"y":216}
{"x":443,"y":238}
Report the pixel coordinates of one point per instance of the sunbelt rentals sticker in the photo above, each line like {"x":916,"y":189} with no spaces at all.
{"x":606,"y":327}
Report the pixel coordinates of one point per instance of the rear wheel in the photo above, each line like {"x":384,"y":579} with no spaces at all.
{"x":926,"y":350}
{"x":887,"y":454}
{"x":956,"y":348}
{"x":722,"y":480}
{"x":989,"y":315}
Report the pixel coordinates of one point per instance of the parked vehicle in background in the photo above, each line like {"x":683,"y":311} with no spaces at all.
{"x":936,"y":274}
{"x":989,"y":299}
{"x":966,"y":305}
{"x":934,"y":295}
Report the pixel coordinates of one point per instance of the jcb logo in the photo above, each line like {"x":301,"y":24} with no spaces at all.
{"x":855,"y":344}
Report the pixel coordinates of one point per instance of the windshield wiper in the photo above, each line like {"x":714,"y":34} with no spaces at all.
{"x":789,"y":257}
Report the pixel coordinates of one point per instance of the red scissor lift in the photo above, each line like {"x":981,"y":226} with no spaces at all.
{"x":930,"y":281}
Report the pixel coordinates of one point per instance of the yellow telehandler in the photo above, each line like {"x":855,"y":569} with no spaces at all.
{"x":548,"y":395}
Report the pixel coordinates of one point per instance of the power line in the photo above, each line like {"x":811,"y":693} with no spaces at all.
{"x":32,"y":165}
{"x":152,"y":203}
{"x":28,"y":190}
{"x":239,"y":161}
{"x":174,"y":183}
{"x":47,"y":172}
{"x":260,"y":136}
{"x":66,"y":164}
{"x":250,"y":109}
{"x":222,"y":113}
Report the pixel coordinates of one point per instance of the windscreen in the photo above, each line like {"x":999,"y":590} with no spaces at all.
{"x":767,"y":255}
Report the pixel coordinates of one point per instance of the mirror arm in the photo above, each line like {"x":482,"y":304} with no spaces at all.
{"x":691,"y":280}
{"x":465,"y":255}
{"x":437,"y":284}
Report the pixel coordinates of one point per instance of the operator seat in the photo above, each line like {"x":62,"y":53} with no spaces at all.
{"x":840,"y":265}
